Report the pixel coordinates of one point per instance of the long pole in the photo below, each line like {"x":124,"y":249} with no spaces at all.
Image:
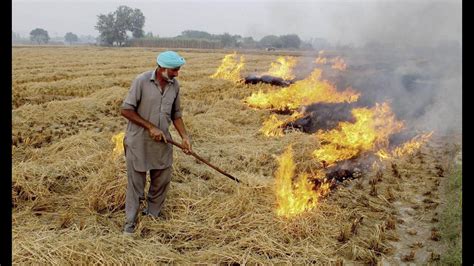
{"x":204,"y":161}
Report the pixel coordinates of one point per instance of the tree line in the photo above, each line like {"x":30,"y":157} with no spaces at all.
{"x":124,"y":27}
{"x":237,"y":41}
{"x":41,"y":36}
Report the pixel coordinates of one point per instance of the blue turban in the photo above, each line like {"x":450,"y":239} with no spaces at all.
{"x":170,"y":59}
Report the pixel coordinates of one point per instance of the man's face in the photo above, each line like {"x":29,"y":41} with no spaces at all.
{"x":170,"y":73}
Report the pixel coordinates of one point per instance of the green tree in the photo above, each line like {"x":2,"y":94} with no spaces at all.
{"x":306,"y":45}
{"x":196,"y":34}
{"x":137,"y":21}
{"x":71,"y":38}
{"x":122,"y":23}
{"x":113,"y":27}
{"x":149,"y":35}
{"x":271,"y":41}
{"x":15,"y":37}
{"x":39,"y":35}
{"x":290,"y":41}
{"x":248,"y":42}
{"x":106,"y":27}
{"x":227,"y":40}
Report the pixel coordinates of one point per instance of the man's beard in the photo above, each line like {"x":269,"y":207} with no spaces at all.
{"x":165,"y":76}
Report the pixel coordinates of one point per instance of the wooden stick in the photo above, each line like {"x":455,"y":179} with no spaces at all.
{"x":204,"y":161}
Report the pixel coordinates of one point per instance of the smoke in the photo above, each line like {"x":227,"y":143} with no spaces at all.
{"x":445,"y":113}
{"x":419,"y":56}
{"x":404,"y":52}
{"x":420,"y":23}
{"x":423,"y":85}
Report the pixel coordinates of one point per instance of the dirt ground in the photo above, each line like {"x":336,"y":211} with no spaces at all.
{"x":69,"y":188}
{"x":419,"y":204}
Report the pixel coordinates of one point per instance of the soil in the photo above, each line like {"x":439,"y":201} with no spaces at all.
{"x":420,"y":201}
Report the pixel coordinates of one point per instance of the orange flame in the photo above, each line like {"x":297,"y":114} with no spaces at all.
{"x":383,"y":154}
{"x":297,"y":198}
{"x":283,"y":68}
{"x":303,"y":92}
{"x":118,"y":141}
{"x":321,"y":60}
{"x":272,"y":127}
{"x":412,"y":145}
{"x":406,"y":148}
{"x":230,"y":68}
{"x":370,"y":132}
{"x":339,"y":64}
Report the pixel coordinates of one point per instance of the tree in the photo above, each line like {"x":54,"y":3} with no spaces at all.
{"x":227,"y":40}
{"x":149,"y":35}
{"x":248,"y":42}
{"x":15,"y":37}
{"x":306,"y":45}
{"x":290,"y":41}
{"x":39,"y":35}
{"x":320,"y":44}
{"x":113,"y":27}
{"x":271,"y":41}
{"x":137,"y":21}
{"x":71,"y":38}
{"x":196,"y":34}
{"x":106,"y":27}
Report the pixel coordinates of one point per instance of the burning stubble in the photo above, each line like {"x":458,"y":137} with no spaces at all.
{"x":230,"y":68}
{"x":367,"y":133}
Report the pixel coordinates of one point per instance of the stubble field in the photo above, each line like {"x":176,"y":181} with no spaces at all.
{"x":69,"y":186}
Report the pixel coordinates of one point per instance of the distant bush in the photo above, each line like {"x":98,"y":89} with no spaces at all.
{"x":175,"y":43}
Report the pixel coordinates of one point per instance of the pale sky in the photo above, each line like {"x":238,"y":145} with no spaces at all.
{"x":344,"y":21}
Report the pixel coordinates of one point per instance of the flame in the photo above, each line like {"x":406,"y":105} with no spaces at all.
{"x":339,"y":64}
{"x":321,"y":60}
{"x":406,"y":148}
{"x":283,"y":68}
{"x":383,"y":154}
{"x":412,"y":145}
{"x":370,"y":132}
{"x":272,"y":127}
{"x":118,"y":141}
{"x":230,"y":68}
{"x":303,"y":92}
{"x":297,"y":198}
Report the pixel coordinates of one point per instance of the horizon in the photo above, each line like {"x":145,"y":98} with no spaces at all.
{"x":346,"y":22}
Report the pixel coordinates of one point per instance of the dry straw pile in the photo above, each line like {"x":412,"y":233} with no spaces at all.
{"x":69,"y":190}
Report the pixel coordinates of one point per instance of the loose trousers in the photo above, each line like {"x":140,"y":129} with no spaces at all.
{"x":159,"y":184}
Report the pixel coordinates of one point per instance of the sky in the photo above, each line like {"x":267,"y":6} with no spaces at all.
{"x":338,"y":21}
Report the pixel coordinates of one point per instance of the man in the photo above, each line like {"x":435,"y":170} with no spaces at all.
{"x":151,"y":104}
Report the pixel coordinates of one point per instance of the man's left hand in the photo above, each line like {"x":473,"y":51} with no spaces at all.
{"x":187,"y":145}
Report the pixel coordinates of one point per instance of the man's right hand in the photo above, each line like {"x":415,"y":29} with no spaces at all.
{"x":157,"y":135}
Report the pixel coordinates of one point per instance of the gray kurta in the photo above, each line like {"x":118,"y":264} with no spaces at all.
{"x":146,"y":99}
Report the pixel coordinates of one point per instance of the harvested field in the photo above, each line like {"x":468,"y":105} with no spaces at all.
{"x":69,"y":187}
